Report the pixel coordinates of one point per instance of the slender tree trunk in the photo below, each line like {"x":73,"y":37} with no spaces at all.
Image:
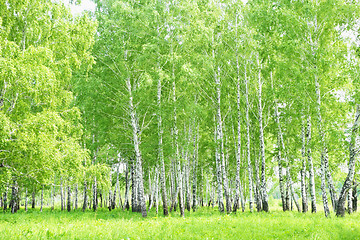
{"x":173,"y":185}
{"x":250,"y":177}
{"x":13,"y":201}
{"x":136,"y":142}
{"x":238,"y":190}
{"x":323,"y":153}
{"x":85,"y":197}
{"x":187,"y":177}
{"x":116,"y":187}
{"x":218,"y":174}
{"x":225,"y":179}
{"x":177,"y":159}
{"x":110,"y":200}
{"x":160,"y":152}
{"x":194,"y":187}
{"x":5,"y":198}
{"x":127,"y":187}
{"x":350,"y":201}
{"x":101,"y":198}
{"x":311,"y":167}
{"x":281,"y":147}
{"x":94,"y":206}
{"x":76,"y":197}
{"x":288,"y":190}
{"x":157,"y":189}
{"x":330,"y":182}
{"x":61,"y":194}
{"x":134,"y":204}
{"x":26,"y":199}
{"x":265,"y":204}
{"x":220,"y":141}
{"x":340,"y":207}
{"x":303,"y":171}
{"x":258,"y":196}
{"x":68,"y":207}
{"x":42,"y":199}
{"x":354,"y":197}
{"x":33,"y":199}
{"x":150,"y":192}
{"x":293,"y":194}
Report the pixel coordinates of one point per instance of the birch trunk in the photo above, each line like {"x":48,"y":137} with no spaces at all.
{"x":42,"y":199}
{"x":94,"y":205}
{"x":220,"y":141}
{"x":136,"y":142}
{"x":61,"y":194}
{"x":311,"y":167}
{"x":5,"y":198}
{"x":264,"y":196}
{"x":116,"y":187}
{"x":280,"y":160}
{"x":13,"y":201}
{"x":177,"y":160}
{"x":323,"y":151}
{"x":303,"y":171}
{"x":340,"y":208}
{"x":354,"y":198}
{"x":250,"y":177}
{"x":293,"y":194}
{"x":157,"y":189}
{"x":85,"y":197}
{"x":350,"y":201}
{"x":218,"y":174}
{"x":68,"y":198}
{"x":150,"y":193}
{"x":26,"y":199}
{"x":288,"y":190}
{"x":238,"y":190}
{"x":330,"y":182}
{"x":134,"y":204}
{"x":33,"y":199}
{"x":187,"y":177}
{"x":110,"y":200}
{"x":194,"y":187}
{"x":127,"y":187}
{"x":152,"y":190}
{"x":258,"y":197}
{"x":76,"y":197}
{"x":161,"y":152}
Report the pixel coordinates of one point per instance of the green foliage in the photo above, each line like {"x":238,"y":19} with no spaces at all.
{"x":41,"y":46}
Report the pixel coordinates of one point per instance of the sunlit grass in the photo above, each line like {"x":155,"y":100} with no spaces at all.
{"x":206,"y":223}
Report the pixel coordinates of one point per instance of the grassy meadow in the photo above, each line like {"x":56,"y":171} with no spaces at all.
{"x":206,"y":223}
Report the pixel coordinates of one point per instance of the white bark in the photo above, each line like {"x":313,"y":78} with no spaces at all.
{"x":250,"y":177}
{"x":177,"y":159}
{"x":136,"y":142}
{"x":281,"y":148}
{"x":265,"y":205}
{"x":160,"y":151}
{"x":340,"y":208}
{"x":303,"y":170}
{"x":311,"y":167}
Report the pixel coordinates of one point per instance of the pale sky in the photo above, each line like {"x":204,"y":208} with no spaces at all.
{"x":77,"y":9}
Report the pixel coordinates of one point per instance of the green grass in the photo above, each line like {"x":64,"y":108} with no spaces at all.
{"x":206,"y":223}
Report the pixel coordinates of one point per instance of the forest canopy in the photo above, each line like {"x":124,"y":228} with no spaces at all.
{"x":218,"y":103}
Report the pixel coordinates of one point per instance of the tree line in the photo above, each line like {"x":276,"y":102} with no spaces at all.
{"x":216,"y":103}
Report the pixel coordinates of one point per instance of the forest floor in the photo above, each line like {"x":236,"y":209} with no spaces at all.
{"x":206,"y":223}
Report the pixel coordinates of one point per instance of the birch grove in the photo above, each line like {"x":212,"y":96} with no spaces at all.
{"x":180,"y":105}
